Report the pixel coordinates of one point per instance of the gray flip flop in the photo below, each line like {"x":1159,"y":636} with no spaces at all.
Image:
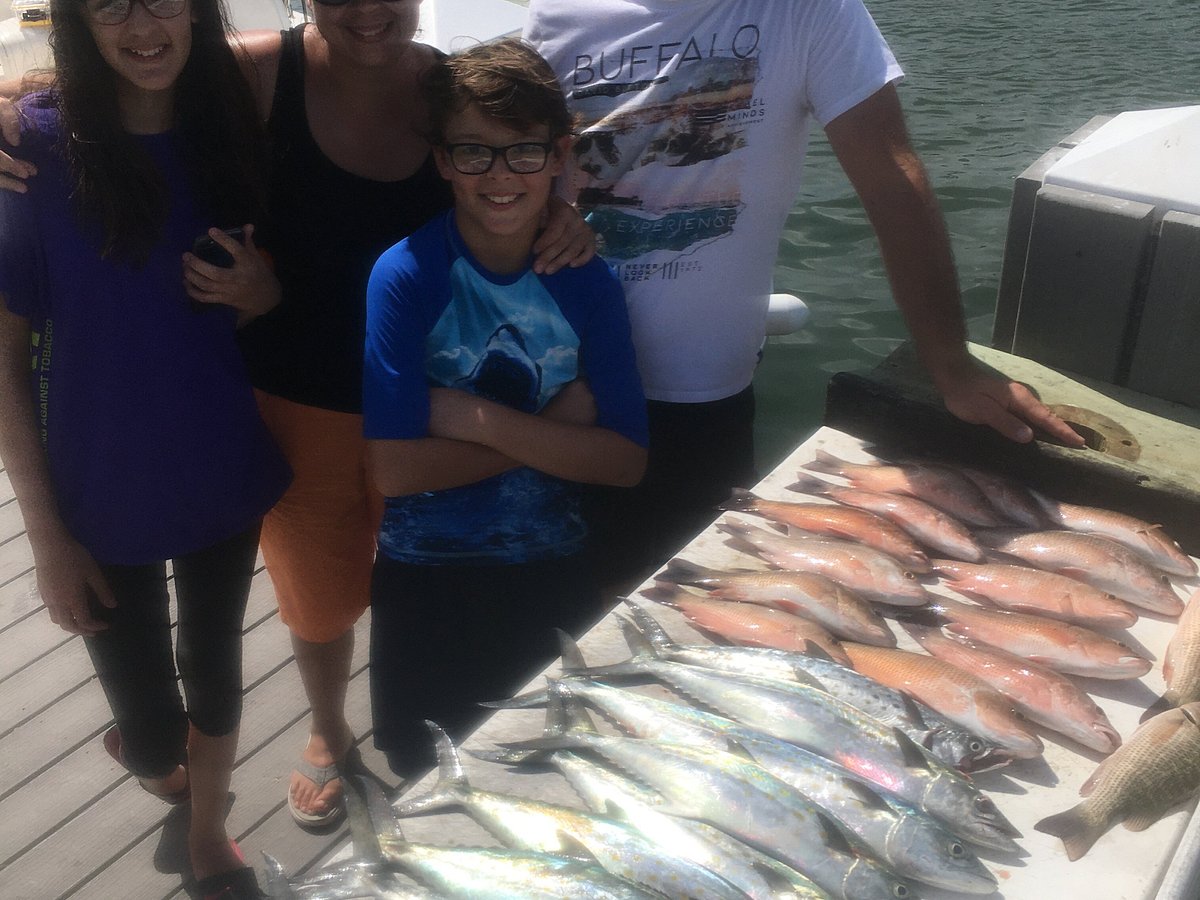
{"x":320,"y":776}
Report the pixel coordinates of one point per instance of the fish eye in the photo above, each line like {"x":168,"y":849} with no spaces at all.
{"x":910,"y":576}
{"x":975,"y":746}
{"x":957,"y":850}
{"x":901,"y":892}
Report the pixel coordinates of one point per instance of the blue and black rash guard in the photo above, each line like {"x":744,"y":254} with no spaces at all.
{"x":437,"y":318}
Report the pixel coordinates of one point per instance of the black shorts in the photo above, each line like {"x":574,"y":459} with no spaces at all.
{"x":698,"y":453}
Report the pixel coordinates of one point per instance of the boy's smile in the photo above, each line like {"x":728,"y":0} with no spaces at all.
{"x":499,"y":212}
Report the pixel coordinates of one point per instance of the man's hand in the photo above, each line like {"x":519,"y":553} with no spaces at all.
{"x":1009,"y":407}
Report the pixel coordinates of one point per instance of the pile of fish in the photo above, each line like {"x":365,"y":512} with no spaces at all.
{"x":806,"y":753}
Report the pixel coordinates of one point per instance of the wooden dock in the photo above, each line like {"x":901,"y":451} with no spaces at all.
{"x":72,"y":822}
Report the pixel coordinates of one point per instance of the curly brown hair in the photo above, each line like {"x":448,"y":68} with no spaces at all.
{"x":116,"y":186}
{"x":506,"y":78}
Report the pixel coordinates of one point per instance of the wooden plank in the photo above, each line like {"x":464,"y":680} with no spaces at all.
{"x":19,"y":598}
{"x":28,"y":639}
{"x":35,"y":687}
{"x":41,"y":742}
{"x":275,"y":727}
{"x":16,"y":557}
{"x":12,"y":525}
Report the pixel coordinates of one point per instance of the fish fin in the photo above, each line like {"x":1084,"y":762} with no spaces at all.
{"x":655,"y":635}
{"x":824,"y":462}
{"x":836,"y":836}
{"x":1168,"y":700}
{"x":372,"y":820}
{"x":807,"y":484}
{"x":531,"y":700}
{"x":1141,"y":821}
{"x":682,"y":571}
{"x":913,"y":756}
{"x":572,"y":657}
{"x":735,"y":747}
{"x":572,"y":845}
{"x":1076,"y":833}
{"x":565,"y":712}
{"x":740,"y":499}
{"x":868,"y":797}
{"x":921,"y":616}
{"x":278,"y":887}
{"x":816,"y":651}
{"x":451,"y":778}
{"x":663,"y":592}
{"x":1085,"y":789}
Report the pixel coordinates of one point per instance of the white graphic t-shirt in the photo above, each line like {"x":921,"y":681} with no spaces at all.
{"x":693,"y":120}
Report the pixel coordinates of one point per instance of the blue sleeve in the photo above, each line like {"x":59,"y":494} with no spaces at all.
{"x":395,"y":387}
{"x":607,"y":358}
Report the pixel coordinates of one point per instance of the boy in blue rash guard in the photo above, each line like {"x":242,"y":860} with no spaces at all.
{"x":490,"y":393}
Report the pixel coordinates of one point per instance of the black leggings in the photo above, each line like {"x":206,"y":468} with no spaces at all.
{"x":133,"y":655}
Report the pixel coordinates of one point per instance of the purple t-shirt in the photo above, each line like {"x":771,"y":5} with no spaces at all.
{"x":153,"y":438}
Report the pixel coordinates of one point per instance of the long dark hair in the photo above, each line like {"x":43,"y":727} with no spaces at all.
{"x":117,"y":188}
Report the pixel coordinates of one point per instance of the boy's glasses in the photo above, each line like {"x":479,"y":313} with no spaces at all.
{"x":114,"y":12}
{"x":524,"y":158}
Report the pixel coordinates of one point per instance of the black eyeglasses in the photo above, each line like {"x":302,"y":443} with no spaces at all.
{"x":114,"y":12}
{"x":524,"y":158}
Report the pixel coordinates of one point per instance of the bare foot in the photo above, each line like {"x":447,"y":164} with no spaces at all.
{"x":173,"y":785}
{"x":212,"y":857}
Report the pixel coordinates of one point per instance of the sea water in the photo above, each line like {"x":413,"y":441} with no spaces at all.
{"x":989,"y":87}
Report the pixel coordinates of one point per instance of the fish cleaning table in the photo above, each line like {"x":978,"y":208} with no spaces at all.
{"x":1123,"y":865}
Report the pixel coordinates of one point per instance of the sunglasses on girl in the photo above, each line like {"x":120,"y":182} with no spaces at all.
{"x":114,"y":12}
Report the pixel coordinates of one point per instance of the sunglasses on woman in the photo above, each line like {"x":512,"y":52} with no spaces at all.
{"x":114,"y":12}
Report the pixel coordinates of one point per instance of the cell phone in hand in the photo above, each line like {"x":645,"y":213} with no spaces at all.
{"x":210,"y":251}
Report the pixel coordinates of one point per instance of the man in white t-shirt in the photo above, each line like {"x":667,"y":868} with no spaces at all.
{"x":693,"y":120}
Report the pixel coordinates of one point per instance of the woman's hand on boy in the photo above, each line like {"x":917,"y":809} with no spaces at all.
{"x":565,"y":239}
{"x":249,"y":285}
{"x":13,"y":171}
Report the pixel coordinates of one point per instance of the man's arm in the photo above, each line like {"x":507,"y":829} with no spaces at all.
{"x":872,"y":145}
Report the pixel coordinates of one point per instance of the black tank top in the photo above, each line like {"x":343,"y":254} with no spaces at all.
{"x":327,"y":228}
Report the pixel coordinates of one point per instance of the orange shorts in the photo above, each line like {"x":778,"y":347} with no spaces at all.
{"x":319,"y":539}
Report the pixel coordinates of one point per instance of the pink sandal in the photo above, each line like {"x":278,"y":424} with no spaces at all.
{"x":112,"y":745}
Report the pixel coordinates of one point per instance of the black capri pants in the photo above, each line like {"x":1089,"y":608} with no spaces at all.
{"x":134,"y":660}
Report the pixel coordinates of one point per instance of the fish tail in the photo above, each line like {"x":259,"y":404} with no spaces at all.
{"x":653,"y":636}
{"x":1169,"y":700}
{"x":451,"y":778}
{"x":371,"y":818}
{"x":826,"y":463}
{"x":278,"y":887}
{"x":742,"y":499}
{"x":1074,"y":829}
{"x":682,"y":571}
{"x":806,"y":484}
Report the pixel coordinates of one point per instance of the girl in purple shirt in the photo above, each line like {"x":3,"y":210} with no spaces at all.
{"x":127,"y":423}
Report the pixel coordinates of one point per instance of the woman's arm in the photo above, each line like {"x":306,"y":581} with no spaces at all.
{"x":66,"y":572}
